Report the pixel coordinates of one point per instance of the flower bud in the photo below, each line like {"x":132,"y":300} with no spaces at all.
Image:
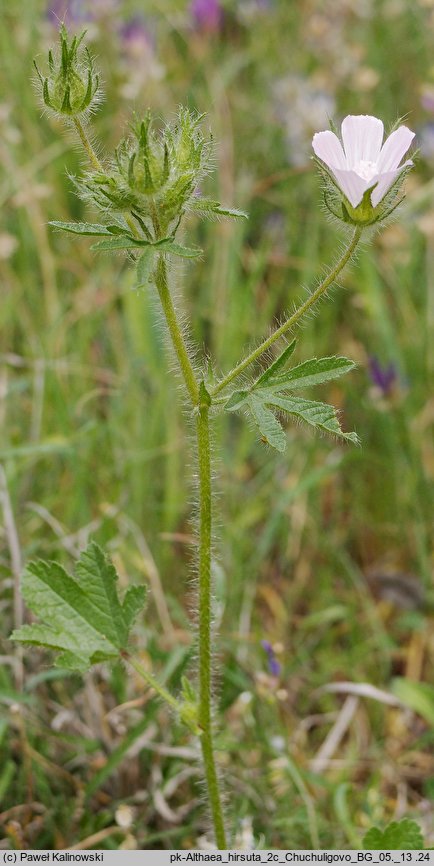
{"x":154,"y":174}
{"x":71,"y":86}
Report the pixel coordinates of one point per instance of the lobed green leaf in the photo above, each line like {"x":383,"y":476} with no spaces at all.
{"x":82,"y":617}
{"x":233,"y":212}
{"x":319,"y":415}
{"x":402,"y":835}
{"x":169,"y":246}
{"x":112,"y":243}
{"x":124,"y":240}
{"x":236,"y":400}
{"x":208,"y":207}
{"x":312,"y":372}
{"x":270,"y":392}
{"x":144,"y":268}
{"x":277,"y":364}
{"x":270,"y":428}
{"x":94,"y":229}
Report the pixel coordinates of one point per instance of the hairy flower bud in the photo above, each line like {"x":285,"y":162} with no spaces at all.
{"x":154,"y":174}
{"x":71,"y":86}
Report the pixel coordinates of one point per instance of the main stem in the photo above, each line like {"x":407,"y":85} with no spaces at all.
{"x":201,"y":402}
{"x":205,"y":720}
{"x":292,"y":320}
{"x":205,"y":665}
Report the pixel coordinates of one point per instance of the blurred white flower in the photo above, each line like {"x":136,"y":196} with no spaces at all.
{"x":362,"y":162}
{"x":8,"y":245}
{"x":124,"y":816}
{"x":302,"y":105}
{"x":244,"y":838}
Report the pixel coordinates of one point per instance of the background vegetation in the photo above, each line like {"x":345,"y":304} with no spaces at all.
{"x":325,"y":551}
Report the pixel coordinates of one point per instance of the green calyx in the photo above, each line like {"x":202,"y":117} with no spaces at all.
{"x":71,"y":85}
{"x":365,"y":214}
{"x":362,"y":215}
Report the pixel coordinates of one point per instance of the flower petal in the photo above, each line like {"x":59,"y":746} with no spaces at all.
{"x":394,"y":148}
{"x":351,"y":184}
{"x":328,"y":148}
{"x":362,"y":136}
{"x":385,"y":181}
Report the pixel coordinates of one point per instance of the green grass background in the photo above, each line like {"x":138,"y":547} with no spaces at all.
{"x":325,"y":551}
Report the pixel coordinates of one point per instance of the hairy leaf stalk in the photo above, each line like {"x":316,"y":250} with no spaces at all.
{"x":292,"y":320}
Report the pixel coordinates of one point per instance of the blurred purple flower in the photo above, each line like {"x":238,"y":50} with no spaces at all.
{"x":427,"y":99}
{"x":384,"y":377}
{"x":207,"y":15}
{"x":69,"y":11}
{"x":134,"y":33}
{"x":78,"y":11}
{"x":425,"y":138}
{"x":273,"y":665}
{"x":140,"y":61}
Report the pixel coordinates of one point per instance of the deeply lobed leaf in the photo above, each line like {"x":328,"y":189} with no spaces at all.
{"x":276,"y":365}
{"x":82,"y":616}
{"x":270,"y":428}
{"x":319,"y":415}
{"x":117,"y":238}
{"x":270,"y":391}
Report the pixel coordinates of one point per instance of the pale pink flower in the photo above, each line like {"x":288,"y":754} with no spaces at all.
{"x":362,"y":160}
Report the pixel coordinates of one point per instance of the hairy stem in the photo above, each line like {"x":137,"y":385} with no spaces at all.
{"x":93,"y":159}
{"x":205,"y":677}
{"x":201,"y":402}
{"x":292,"y":320}
{"x":175,"y":331}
